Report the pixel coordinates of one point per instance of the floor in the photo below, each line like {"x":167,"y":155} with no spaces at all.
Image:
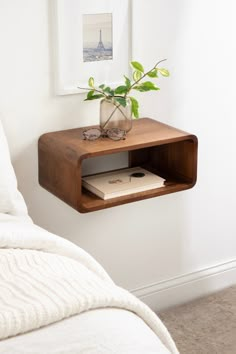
{"x":206,"y":325}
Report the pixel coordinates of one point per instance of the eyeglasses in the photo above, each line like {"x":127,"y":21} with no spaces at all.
{"x":95,"y":133}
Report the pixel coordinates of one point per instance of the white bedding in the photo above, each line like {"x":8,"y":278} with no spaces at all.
{"x":45,"y":279}
{"x":102,"y":331}
{"x":55,"y":298}
{"x":11,"y":200}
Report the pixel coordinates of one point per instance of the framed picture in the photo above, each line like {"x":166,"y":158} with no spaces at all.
{"x":91,"y":38}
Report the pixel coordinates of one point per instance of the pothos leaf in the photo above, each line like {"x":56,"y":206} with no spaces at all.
{"x":90,"y":94}
{"x":120,"y":90}
{"x":94,"y":97}
{"x":121,"y":101}
{"x":137,"y":75}
{"x":91,"y":82}
{"x":164,"y":72}
{"x":127,"y":82}
{"x":107,"y":89}
{"x":146,"y":86}
{"x":112,"y":93}
{"x":137,"y":66}
{"x":134,"y":107}
{"x":153,"y":73}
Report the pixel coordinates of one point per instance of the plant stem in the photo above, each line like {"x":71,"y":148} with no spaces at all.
{"x":93,"y":89}
{"x":111,"y":115}
{"x":145,"y":74}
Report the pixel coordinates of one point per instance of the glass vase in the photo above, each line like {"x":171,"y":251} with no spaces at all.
{"x":114,"y":115}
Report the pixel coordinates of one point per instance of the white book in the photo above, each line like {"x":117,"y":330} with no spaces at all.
{"x":122,"y":182}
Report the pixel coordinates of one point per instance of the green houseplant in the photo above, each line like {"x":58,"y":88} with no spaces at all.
{"x":118,"y":107}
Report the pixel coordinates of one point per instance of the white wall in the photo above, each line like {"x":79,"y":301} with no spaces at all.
{"x":162,"y":246}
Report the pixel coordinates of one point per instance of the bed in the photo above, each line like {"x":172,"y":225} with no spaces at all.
{"x":55,"y":298}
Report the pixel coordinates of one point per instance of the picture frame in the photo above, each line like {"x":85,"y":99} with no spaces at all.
{"x":91,"y":38}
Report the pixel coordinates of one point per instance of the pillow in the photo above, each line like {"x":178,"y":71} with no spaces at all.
{"x":11,"y":200}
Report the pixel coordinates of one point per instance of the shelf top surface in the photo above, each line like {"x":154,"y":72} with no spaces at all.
{"x":145,"y":132}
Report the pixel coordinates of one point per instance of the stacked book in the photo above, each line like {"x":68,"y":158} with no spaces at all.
{"x":122,"y":182}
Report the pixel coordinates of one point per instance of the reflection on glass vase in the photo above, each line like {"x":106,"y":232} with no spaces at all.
{"x":114,"y":115}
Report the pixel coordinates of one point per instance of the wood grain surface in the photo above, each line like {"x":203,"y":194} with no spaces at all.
{"x":160,"y":148}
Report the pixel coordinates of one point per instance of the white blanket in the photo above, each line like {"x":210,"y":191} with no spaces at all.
{"x":44,"y":279}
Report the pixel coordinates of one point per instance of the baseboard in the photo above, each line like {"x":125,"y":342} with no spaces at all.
{"x":187,"y":287}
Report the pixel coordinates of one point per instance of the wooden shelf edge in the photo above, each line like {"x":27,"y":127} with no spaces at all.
{"x":99,"y":204}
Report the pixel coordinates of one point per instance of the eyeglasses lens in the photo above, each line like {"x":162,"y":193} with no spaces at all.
{"x":92,"y":134}
{"x":116,"y":134}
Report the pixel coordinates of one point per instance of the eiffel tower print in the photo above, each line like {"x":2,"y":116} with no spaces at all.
{"x":97,"y":37}
{"x":100,"y":46}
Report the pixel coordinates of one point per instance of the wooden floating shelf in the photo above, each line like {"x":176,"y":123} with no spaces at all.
{"x":157,"y":147}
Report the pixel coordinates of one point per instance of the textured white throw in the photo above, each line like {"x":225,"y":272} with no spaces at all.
{"x":44,"y":279}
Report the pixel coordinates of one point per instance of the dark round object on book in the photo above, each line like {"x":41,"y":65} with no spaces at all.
{"x":137,"y":174}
